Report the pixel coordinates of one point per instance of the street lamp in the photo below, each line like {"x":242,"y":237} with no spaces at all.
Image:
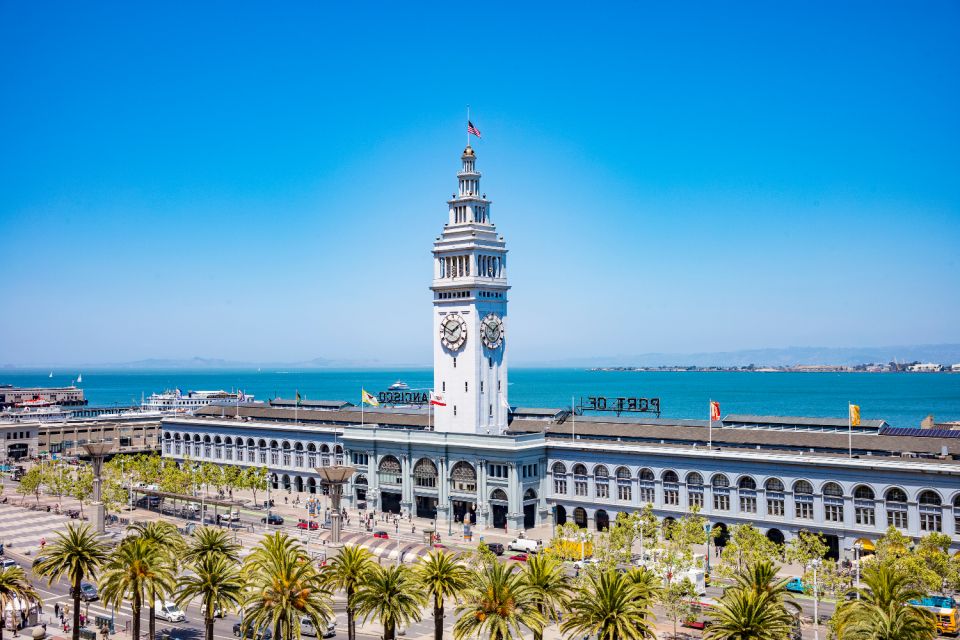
{"x":97,"y":452}
{"x":334,"y":478}
{"x":815,"y":563}
{"x":857,"y":551}
{"x":707,"y":528}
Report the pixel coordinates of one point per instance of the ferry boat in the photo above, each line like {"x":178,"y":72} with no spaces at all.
{"x":176,"y":401}
{"x":34,"y":411}
{"x":399,"y":385}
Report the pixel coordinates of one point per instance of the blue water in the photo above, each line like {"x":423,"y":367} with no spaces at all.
{"x":902,"y":399}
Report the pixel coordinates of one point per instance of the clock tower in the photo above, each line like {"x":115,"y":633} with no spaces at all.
{"x":470,"y":313}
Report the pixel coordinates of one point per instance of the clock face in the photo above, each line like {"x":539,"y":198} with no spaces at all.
{"x":453,"y":331}
{"x":491,"y":330}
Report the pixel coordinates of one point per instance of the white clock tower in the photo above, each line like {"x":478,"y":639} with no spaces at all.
{"x":470,"y":313}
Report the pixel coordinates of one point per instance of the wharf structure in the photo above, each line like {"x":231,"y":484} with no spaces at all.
{"x":474,"y":458}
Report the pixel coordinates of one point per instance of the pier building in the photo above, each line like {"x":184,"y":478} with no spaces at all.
{"x":475,"y":458}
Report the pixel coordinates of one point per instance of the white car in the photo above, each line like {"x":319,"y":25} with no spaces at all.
{"x":8,"y":563}
{"x":526,"y":545}
{"x":168,"y":611}
{"x":582,"y":564}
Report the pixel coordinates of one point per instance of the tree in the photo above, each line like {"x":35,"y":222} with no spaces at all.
{"x":31,"y":482}
{"x":210,"y":541}
{"x":56,"y":481}
{"x":391,"y":595}
{"x":551,"y":591}
{"x":748,"y":615}
{"x":14,"y":586}
{"x":677,"y":599}
{"x":255,"y":479}
{"x":805,"y":548}
{"x":498,"y":603}
{"x":932,"y":561}
{"x":346,"y":573}
{"x":611,"y":607}
{"x":231,"y":478}
{"x":746,"y":546}
{"x":168,"y":541}
{"x":444,"y":577}
{"x":883,"y":612}
{"x":284,"y":588}
{"x":134,"y":571}
{"x":76,"y":554}
{"x":81,"y":486}
{"x":217,"y":582}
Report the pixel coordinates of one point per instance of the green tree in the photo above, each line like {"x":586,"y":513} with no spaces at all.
{"x":216,"y":580}
{"x":748,"y":615}
{"x":746,"y":546}
{"x":134,"y":571}
{"x":210,"y":541}
{"x":168,"y":541}
{"x":444,"y":577}
{"x":805,"y":548}
{"x":932,"y":561}
{"x":14,"y":585}
{"x":76,"y":554}
{"x":677,"y":599}
{"x":609,"y":606}
{"x":81,"y":486}
{"x":676,"y":553}
{"x":284,"y":587}
{"x":346,"y":573}
{"x":391,"y":595}
{"x":551,"y":591}
{"x":255,"y":479}
{"x":498,"y":604}
{"x":56,"y":479}
{"x":882,"y":612}
{"x":30,"y":483}
{"x":231,"y":478}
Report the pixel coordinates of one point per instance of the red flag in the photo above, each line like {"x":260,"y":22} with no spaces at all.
{"x":437,"y":399}
{"x":714,"y":410}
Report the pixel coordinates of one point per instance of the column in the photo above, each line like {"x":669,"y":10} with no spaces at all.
{"x":373,"y":482}
{"x":406,"y":487}
{"x":515,"y":504}
{"x":483,"y":499}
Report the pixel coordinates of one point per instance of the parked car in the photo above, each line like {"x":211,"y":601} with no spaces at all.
{"x":8,"y":563}
{"x":496,"y":547}
{"x":582,"y":564}
{"x":250,"y":632}
{"x":168,"y":611}
{"x":307,"y":628}
{"x":380,"y":533}
{"x":233,"y":516}
{"x":520,"y":557}
{"x":796,"y":585}
{"x":307,"y":524}
{"x":526,"y":545}
{"x":88,"y":592}
{"x":273,"y":518}
{"x":331,"y":630}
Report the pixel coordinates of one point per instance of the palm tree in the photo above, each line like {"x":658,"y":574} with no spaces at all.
{"x":75,"y":554}
{"x":217,"y":581}
{"x":393,"y":596}
{"x":649,"y":585}
{"x":498,"y":603}
{"x":610,"y":606}
{"x":134,"y":571}
{"x":749,"y":615}
{"x":165,"y":537}
{"x":208,"y":540}
{"x":444,"y":577}
{"x":346,"y":573}
{"x":14,"y":586}
{"x":883,"y":612}
{"x":761,"y":577}
{"x":284,"y":587}
{"x":551,"y":592}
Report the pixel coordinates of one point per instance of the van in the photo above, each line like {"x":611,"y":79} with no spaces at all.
{"x":168,"y":611}
{"x":526,"y":545}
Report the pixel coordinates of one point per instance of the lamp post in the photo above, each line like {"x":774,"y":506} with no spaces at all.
{"x":857,"y":550}
{"x":816,"y":616}
{"x":707,"y":527}
{"x":334,"y":478}
{"x":97,"y":452}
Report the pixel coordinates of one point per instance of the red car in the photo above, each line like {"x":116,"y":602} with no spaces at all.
{"x":520,"y":557}
{"x":307,"y":524}
{"x":381,"y":534}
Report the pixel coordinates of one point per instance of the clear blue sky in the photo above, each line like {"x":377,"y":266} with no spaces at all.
{"x":258,"y":182}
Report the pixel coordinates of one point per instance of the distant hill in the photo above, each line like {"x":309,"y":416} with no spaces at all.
{"x":789,"y":356}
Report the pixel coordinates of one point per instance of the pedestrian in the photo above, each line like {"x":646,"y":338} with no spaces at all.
{"x":397,"y":527}
{"x":56,"y":609}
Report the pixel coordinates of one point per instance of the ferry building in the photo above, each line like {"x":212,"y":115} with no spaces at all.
{"x":476,"y":458}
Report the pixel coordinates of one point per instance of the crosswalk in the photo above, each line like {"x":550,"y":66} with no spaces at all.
{"x":21,"y":529}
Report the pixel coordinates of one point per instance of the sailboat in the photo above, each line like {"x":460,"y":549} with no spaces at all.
{"x":79,"y":378}
{"x":51,"y":375}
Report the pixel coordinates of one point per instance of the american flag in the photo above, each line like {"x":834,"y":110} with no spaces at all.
{"x":472,"y":129}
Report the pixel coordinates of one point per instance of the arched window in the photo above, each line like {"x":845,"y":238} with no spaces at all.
{"x":311,"y":455}
{"x":864,"y":512}
{"x":646,"y":486}
{"x":624,"y":484}
{"x":390,"y":471}
{"x":499,"y":494}
{"x":775,"y":500}
{"x":694,"y":490}
{"x":929,"y":498}
{"x":721,"y":492}
{"x":425,"y":473}
{"x":646,"y":474}
{"x":463,"y":477}
{"x":580,"y":484}
{"x":803,"y":499}
{"x":832,"y":502}
{"x":579,"y":470}
{"x":895,"y":494}
{"x":863,"y":492}
{"x":802,"y":487}
{"x":529,"y":494}
{"x":896,"y":507}
{"x":931,"y":512}
{"x":559,"y":468}
{"x":286,"y":453}
{"x":559,"y":479}
{"x":601,"y":484}
{"x":746,"y":490}
{"x":670,"y":476}
{"x":746,"y":482}
{"x":671,"y":488}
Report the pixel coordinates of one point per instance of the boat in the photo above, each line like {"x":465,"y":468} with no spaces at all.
{"x":80,"y":378}
{"x":399,"y":385}
{"x":175,"y":401}
{"x":51,"y":375}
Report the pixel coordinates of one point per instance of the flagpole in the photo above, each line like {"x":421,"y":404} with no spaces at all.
{"x":849,"y":432}
{"x":468,"y":125}
{"x":710,"y":428}
{"x":361,"y":406}
{"x":573,"y":410}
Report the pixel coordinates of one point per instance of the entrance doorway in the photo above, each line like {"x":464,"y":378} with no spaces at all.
{"x":464,"y":509}
{"x":426,"y":507}
{"x":833,"y":545}
{"x":499,"y":515}
{"x":390,"y":502}
{"x":775,"y":536}
{"x":561,"y":515}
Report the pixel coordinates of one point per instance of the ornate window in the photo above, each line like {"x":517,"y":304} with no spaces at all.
{"x":931,"y":511}
{"x":803,"y":499}
{"x":671,"y":488}
{"x":721,"y":492}
{"x":559,"y":479}
{"x":580,"y":480}
{"x":624,"y":488}
{"x":390,"y":471}
{"x":832,"y":502}
{"x":463,"y":477}
{"x":647,"y":486}
{"x":896,"y":504}
{"x":286,"y":454}
{"x":425,"y":474}
{"x":747,"y":491}
{"x":774,"y":488}
{"x":601,"y":481}
{"x":956,"y":514}
{"x":498,"y":495}
{"x":312,"y":455}
{"x":695,"y":489}
{"x":864,"y":512}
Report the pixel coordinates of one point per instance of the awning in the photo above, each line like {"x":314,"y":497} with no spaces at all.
{"x":866,"y":544}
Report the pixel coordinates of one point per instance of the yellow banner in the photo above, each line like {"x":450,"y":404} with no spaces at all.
{"x":854,"y":415}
